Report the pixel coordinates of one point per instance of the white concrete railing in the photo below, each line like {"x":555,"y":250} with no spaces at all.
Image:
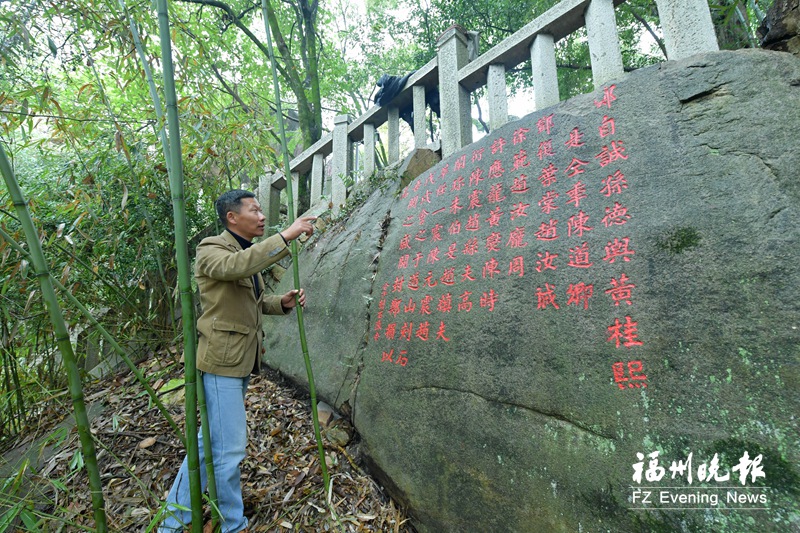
{"x":687,"y":29}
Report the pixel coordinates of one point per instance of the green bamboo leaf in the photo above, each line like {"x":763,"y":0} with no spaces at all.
{"x":52,"y":45}
{"x":29,"y":519}
{"x":8,"y":518}
{"x":16,"y":481}
{"x":7,"y":60}
{"x":76,"y":463}
{"x":57,"y":483}
{"x":58,"y":436}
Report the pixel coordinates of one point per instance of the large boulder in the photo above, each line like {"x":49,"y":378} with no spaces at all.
{"x":526,"y":334}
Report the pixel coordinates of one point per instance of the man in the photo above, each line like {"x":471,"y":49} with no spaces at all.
{"x":232,"y":297}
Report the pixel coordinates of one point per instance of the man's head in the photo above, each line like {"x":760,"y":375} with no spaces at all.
{"x":240,"y":212}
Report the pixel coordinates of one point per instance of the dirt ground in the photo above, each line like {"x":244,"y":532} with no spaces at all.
{"x":139,"y":456}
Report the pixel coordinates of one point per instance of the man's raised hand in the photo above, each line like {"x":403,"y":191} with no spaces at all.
{"x":298,"y":227}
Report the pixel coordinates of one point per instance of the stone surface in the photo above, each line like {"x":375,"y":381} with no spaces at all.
{"x":419,"y":161}
{"x":497,"y":95}
{"x":523,"y":407}
{"x":339,"y":291}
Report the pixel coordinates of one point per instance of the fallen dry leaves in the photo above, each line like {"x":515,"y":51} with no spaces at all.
{"x":281,"y":482}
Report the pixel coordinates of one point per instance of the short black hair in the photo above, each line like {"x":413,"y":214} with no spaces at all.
{"x":230,"y":201}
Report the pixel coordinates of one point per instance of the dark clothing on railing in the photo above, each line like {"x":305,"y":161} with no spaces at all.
{"x":390,"y":87}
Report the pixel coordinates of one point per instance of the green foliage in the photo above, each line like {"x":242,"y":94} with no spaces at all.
{"x":574,"y":68}
{"x":736,"y":22}
{"x":84,"y":153}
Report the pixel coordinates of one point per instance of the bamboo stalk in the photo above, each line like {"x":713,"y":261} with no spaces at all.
{"x":175,"y":164}
{"x":11,"y":372}
{"x":201,"y":404}
{"x":295,"y":264}
{"x":62,"y":337}
{"x":207,"y":453}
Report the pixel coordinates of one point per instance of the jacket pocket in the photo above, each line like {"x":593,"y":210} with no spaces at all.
{"x":227,"y":343}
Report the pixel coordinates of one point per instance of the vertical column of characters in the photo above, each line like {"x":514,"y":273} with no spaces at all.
{"x":580,"y":292}
{"x":450,"y":278}
{"x":624,"y":332}
{"x":389,"y":357}
{"x":496,"y":244}
{"x":443,"y":304}
{"x":406,"y":250}
{"x":547,"y":232}
{"x":423,"y":308}
{"x":471,"y":227}
{"x":518,"y":210}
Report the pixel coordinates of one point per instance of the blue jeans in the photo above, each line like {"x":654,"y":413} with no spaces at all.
{"x":227,"y":424}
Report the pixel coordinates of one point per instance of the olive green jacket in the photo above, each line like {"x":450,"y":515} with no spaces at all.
{"x":229,"y":328}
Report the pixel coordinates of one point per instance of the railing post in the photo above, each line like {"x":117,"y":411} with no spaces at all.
{"x":264,"y":183}
{"x":327,"y":186}
{"x":295,"y":188}
{"x":270,"y":199}
{"x":543,"y":67}
{"x":687,"y":26}
{"x":317,"y":170}
{"x":496,"y":93}
{"x":342,"y":161}
{"x":277,"y":184}
{"x":455,"y":105}
{"x":420,"y":132}
{"x":369,"y":149}
{"x":394,"y":134}
{"x":601,"y":29}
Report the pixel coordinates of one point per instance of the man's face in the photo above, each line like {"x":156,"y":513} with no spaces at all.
{"x":249,"y":221}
